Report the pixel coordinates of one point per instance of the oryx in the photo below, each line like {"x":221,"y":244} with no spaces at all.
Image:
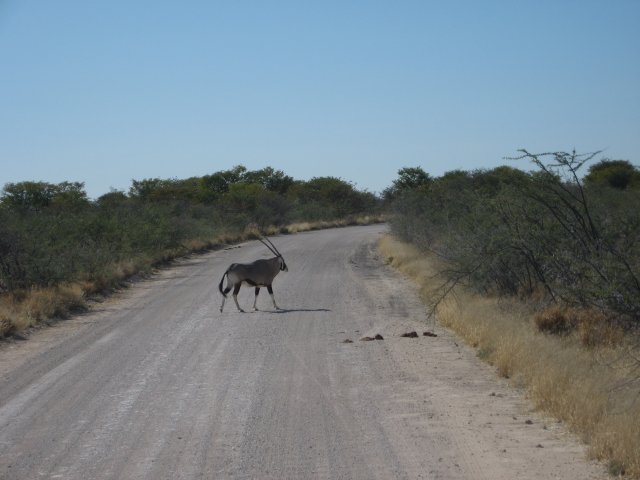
{"x":259,"y":273}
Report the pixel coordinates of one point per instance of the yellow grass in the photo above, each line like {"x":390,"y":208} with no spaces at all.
{"x":26,"y":309}
{"x":318,"y":225}
{"x":596,"y":391}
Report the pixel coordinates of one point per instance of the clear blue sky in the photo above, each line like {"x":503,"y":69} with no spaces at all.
{"x":103,"y":92}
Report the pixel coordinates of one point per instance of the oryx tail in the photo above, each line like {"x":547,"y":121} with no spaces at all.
{"x":224,"y":294}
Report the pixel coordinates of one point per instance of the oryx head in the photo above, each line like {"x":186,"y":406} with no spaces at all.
{"x":267,"y":243}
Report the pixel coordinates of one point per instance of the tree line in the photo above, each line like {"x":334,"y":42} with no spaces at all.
{"x":53,"y":233}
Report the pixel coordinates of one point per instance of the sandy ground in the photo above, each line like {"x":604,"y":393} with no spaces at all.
{"x":156,"y":383}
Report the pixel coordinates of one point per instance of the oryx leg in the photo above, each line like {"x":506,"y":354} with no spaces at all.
{"x":236,"y":289}
{"x":273,"y":299}
{"x":255,"y":301}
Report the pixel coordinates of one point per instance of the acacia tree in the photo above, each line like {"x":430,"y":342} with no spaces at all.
{"x":34,"y":196}
{"x":618,"y":174}
{"x":409,"y":178}
{"x":584,"y":263}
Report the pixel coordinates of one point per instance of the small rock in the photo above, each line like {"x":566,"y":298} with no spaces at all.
{"x":539,"y":446}
{"x":429,"y":334}
{"x":378,"y":337}
{"x":410,"y":335}
{"x":367,"y":339}
{"x":528,"y":422}
{"x":347,"y":341}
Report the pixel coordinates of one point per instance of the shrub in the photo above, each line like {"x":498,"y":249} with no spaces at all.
{"x":555,"y":320}
{"x":507,"y":232}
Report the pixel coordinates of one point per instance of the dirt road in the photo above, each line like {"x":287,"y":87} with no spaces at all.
{"x":156,"y":383}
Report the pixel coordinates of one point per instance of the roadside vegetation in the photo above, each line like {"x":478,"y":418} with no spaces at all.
{"x":57,"y":246}
{"x":540,"y":271}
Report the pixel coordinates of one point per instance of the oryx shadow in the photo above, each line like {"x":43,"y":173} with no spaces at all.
{"x":284,"y":311}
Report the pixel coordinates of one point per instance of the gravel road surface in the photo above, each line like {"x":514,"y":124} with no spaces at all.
{"x":155,"y":383}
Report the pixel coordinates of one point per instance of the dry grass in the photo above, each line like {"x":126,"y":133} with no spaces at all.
{"x":586,"y":377}
{"x":591,"y":326}
{"x":8,"y":316}
{"x":319,"y":225}
{"x":197,"y":245}
{"x":26,"y":309}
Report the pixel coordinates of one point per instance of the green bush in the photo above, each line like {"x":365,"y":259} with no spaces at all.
{"x":52,"y":233}
{"x":509,"y":232}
